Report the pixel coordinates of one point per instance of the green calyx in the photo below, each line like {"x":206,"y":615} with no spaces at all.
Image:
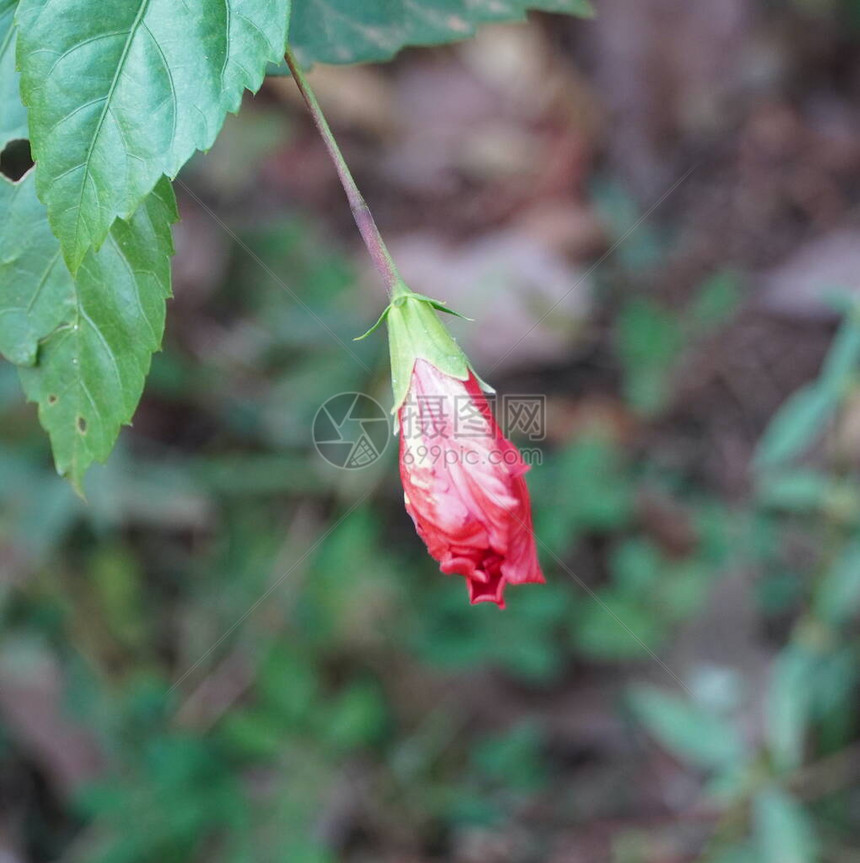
{"x":415,"y":332}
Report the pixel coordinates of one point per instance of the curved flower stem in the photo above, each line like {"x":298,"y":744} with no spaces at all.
{"x":360,"y":211}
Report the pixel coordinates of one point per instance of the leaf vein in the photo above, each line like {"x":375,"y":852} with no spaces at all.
{"x":43,"y":281}
{"x":132,"y":32}
{"x":131,"y":273}
{"x":169,"y":71}
{"x":105,"y":343}
{"x":72,"y":49}
{"x":74,"y":112}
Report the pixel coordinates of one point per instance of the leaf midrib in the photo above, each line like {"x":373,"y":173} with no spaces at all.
{"x":132,"y":32}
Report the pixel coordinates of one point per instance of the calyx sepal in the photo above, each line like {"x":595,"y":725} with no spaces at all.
{"x":415,"y":332}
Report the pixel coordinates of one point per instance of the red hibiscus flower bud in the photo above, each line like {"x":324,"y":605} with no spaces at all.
{"x":464,"y":486}
{"x":463,"y":481}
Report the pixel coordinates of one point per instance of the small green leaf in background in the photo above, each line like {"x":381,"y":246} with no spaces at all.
{"x":795,"y":491}
{"x":639,"y":245}
{"x":253,"y":733}
{"x":616,"y":626}
{"x":843,"y":356}
{"x":783,"y":830}
{"x":152,"y":82}
{"x":796,"y":425}
{"x":804,"y":416}
{"x":524,"y":644}
{"x":13,"y":115}
{"x":117,"y":586}
{"x":812,"y":687}
{"x":649,"y":340}
{"x":838,"y":595}
{"x":354,"y":718}
{"x":834,"y":691}
{"x":289,"y":685}
{"x":690,"y":732}
{"x":595,"y":469}
{"x":788,"y":705}
{"x":35,"y":509}
{"x":90,"y":371}
{"x":344,"y":31}
{"x":716,"y":300}
{"x":514,"y":759}
{"x":637,"y":566}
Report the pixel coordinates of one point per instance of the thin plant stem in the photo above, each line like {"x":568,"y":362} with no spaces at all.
{"x":360,"y":211}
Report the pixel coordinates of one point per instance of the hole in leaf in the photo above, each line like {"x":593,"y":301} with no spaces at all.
{"x":16,"y":160}
{"x":52,"y":399}
{"x":82,"y":425}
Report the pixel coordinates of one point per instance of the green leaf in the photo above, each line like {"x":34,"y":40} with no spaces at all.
{"x":637,"y":567}
{"x":120,"y":94}
{"x":513,"y":759}
{"x":344,"y":31}
{"x":13,"y":115}
{"x":353,"y":718}
{"x":843,"y":356}
{"x":693,"y":734}
{"x":802,"y":418}
{"x":716,"y":300}
{"x":788,"y":705}
{"x":90,"y":370}
{"x":617,"y":627}
{"x":254,"y":733}
{"x":604,"y":499}
{"x":795,"y":491}
{"x":649,"y":340}
{"x":796,"y":425}
{"x":36,"y":290}
{"x":782,"y":829}
{"x":838,"y":596}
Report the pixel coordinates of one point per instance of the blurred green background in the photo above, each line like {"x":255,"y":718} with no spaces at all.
{"x":236,"y":652}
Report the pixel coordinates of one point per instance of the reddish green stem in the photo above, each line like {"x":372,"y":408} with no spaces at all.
{"x":360,"y":211}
